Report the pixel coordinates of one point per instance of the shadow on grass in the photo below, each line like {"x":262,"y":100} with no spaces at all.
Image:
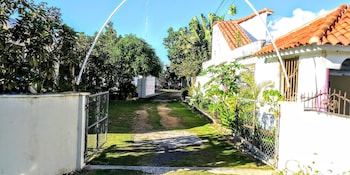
{"x":111,"y":172}
{"x":215,"y":151}
{"x":129,"y":156}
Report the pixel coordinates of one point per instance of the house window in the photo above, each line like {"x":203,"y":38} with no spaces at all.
{"x":292,"y":67}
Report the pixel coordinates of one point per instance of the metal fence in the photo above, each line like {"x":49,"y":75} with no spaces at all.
{"x":331,"y":101}
{"x":256,"y":127}
{"x":96,"y":123}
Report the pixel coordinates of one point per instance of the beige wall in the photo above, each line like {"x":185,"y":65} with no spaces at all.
{"x":42,"y":134}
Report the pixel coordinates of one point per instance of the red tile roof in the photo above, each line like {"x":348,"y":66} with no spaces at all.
{"x":234,"y":34}
{"x":265,"y":10}
{"x":332,"y":28}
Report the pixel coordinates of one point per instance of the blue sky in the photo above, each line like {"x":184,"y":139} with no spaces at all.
{"x":89,"y":15}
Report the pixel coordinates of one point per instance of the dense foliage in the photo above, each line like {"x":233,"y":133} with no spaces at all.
{"x":134,"y":57}
{"x":229,"y":82}
{"x":31,"y":48}
{"x":222,"y":90}
{"x":39,"y":53}
{"x":189,"y":47}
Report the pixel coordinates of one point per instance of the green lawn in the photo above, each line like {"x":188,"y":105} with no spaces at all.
{"x":119,"y":149}
{"x":132,"y":172}
{"x":112,"y":172}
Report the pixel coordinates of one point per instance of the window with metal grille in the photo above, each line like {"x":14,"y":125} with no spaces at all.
{"x":292,"y":67}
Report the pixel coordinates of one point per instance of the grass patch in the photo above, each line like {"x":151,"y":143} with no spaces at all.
{"x":188,"y":118}
{"x":191,"y":172}
{"x":120,"y":150}
{"x":123,"y":155}
{"x":216,"y":153}
{"x":154,"y":117}
{"x":111,"y":172}
{"x":121,"y":114}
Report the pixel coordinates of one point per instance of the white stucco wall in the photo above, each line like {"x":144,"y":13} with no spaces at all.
{"x":42,"y":134}
{"x":336,"y":57}
{"x":220,"y":49}
{"x":314,"y":63}
{"x":255,"y":27}
{"x":312,"y":73}
{"x":221,"y":52}
{"x":307,"y":137}
{"x":242,"y":55}
{"x":267,"y":71}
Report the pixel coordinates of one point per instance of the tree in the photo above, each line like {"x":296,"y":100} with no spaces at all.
{"x":168,"y":78}
{"x":68,"y":58}
{"x":42,"y":54}
{"x":30,"y":49}
{"x":190,"y":46}
{"x":133,"y":57}
{"x":222,"y":90}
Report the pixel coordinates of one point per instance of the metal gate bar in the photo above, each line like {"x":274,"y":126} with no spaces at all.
{"x":96,"y":123}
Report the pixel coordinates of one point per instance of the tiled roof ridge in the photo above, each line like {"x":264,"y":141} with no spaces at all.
{"x":331,"y":20}
{"x":331,"y":28}
{"x":238,"y":21}
{"x":264,"y":10}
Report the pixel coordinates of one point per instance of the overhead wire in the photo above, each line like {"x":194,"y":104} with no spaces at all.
{"x":146,"y":19}
{"x":222,"y":2}
{"x":222,"y":5}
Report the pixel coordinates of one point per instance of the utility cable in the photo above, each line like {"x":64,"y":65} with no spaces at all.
{"x":220,"y":5}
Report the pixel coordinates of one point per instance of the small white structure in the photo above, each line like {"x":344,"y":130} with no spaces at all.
{"x":42,"y":134}
{"x":146,"y":86}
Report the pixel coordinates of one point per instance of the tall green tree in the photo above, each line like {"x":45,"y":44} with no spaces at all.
{"x":100,"y":73}
{"x":134,"y":57}
{"x":30,"y":48}
{"x":190,"y":46}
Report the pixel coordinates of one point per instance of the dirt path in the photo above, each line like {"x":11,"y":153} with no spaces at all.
{"x":168,"y":121}
{"x":143,"y":130}
{"x":140,"y":122}
{"x":169,"y":144}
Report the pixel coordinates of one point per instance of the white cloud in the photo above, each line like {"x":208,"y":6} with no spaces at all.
{"x":286,"y":24}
